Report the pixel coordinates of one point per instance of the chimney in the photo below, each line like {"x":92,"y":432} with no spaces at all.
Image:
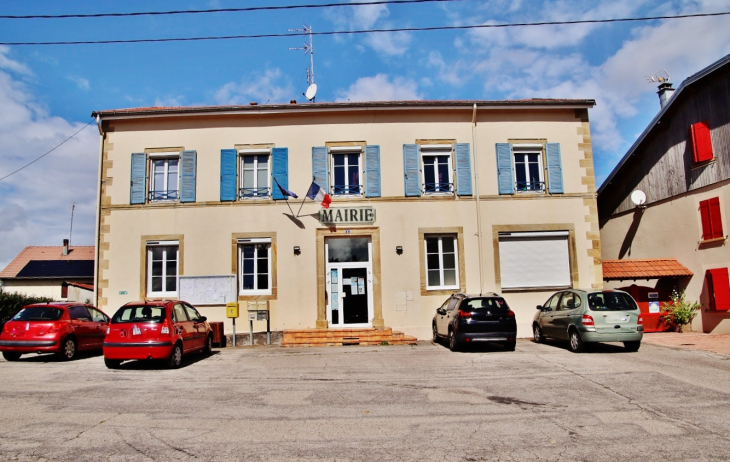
{"x":665,"y":93}
{"x":65,"y":246}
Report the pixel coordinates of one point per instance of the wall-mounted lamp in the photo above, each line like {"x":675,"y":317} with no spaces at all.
{"x":399,"y":250}
{"x":297,"y":250}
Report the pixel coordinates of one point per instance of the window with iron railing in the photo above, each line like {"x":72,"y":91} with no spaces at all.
{"x":254,"y":177}
{"x":528,"y":171}
{"x":346,"y":173}
{"x":437,"y":175}
{"x":164,"y":180}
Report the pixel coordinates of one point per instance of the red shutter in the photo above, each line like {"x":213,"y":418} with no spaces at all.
{"x":705,"y":216}
{"x":701,"y":142}
{"x":720,"y":289}
{"x":715,"y":217}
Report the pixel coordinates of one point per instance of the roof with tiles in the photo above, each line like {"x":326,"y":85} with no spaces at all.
{"x":652,"y":268}
{"x":45,"y":253}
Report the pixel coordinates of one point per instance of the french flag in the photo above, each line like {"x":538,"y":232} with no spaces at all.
{"x":317,"y":194}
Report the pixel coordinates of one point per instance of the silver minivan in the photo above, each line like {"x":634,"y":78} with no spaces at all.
{"x":588,"y":316}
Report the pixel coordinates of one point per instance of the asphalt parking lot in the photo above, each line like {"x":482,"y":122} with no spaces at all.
{"x":422,"y":402}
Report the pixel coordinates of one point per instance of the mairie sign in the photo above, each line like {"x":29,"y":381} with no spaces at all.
{"x":347,"y":216}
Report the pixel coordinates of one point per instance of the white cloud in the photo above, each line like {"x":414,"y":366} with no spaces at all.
{"x":262,"y":88}
{"x":169,"y":101}
{"x":368,"y":17}
{"x":80,"y":82}
{"x":36,"y":202}
{"x":381,"y":88}
{"x":391,"y":43}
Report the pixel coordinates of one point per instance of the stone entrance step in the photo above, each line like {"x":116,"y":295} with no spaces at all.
{"x":339,"y":337}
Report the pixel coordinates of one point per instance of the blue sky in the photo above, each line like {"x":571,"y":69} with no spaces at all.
{"x":48,"y":92}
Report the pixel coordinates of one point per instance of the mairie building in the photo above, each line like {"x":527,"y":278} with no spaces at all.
{"x":424,"y":199}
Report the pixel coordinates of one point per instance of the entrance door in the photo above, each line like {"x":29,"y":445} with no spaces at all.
{"x":349,"y":282}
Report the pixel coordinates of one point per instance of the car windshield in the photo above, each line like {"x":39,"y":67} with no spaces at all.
{"x":496,"y":305}
{"x":139,"y":313}
{"x":39,"y":313}
{"x":611,"y":301}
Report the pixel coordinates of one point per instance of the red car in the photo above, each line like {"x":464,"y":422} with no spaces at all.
{"x":166,"y":330}
{"x":61,"y":328}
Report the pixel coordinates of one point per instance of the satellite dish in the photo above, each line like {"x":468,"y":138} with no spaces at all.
{"x":311,"y":92}
{"x":638,"y":197}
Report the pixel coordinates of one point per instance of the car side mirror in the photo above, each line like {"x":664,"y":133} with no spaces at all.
{"x":539,"y":307}
{"x":203,"y":318}
{"x":441,"y":311}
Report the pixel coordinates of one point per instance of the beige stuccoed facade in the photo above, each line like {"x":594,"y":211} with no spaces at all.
{"x":208,"y":231}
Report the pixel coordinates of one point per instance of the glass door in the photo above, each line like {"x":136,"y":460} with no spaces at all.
{"x":349,"y":282}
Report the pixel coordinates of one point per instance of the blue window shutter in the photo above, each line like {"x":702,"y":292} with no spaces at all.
{"x":411,"y":170}
{"x":279,"y":172}
{"x":555,"y":168}
{"x":463,"y":169}
{"x":320,"y":167}
{"x":138,"y":185}
{"x":372,"y":171}
{"x":504,"y":168}
{"x":229,"y":157}
{"x":188,"y":170}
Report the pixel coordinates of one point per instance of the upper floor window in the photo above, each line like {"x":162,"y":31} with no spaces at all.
{"x":346,"y":172}
{"x":701,"y":142}
{"x":528,"y":173}
{"x":437,"y":169}
{"x":520,"y":168}
{"x":255,"y":177}
{"x":164,"y":177}
{"x":711,"y":219}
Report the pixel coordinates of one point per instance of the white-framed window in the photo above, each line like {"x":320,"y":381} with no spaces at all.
{"x":347,"y":170}
{"x":528,"y":173}
{"x":254,"y":266}
{"x":436,"y":164}
{"x":164,"y":176}
{"x":255,"y":174}
{"x":162,"y":268}
{"x":530,"y":260}
{"x":442,"y":262}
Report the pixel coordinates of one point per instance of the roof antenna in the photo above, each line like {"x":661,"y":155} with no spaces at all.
{"x":72,"y":224}
{"x":312,"y":87}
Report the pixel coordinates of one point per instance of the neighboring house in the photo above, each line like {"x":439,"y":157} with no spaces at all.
{"x":58,"y":272}
{"x":190,"y":201}
{"x":681,"y":163}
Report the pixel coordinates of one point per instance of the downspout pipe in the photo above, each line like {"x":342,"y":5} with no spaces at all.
{"x":476,"y":191}
{"x":97,"y":231}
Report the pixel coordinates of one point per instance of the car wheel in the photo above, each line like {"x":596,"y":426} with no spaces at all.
{"x":576,"y":343}
{"x":435,"y":334}
{"x":175,"y":359}
{"x":208,"y":348}
{"x":112,"y":363}
{"x":11,"y":356}
{"x":632,"y":346}
{"x":537,"y":334}
{"x":510,"y":346}
{"x":454,"y":344}
{"x":68,"y":350}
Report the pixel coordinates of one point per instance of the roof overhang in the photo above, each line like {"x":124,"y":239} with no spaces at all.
{"x":533,"y":104}
{"x":654,"y":268}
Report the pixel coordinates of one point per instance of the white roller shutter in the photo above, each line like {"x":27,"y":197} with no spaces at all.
{"x":534,"y":259}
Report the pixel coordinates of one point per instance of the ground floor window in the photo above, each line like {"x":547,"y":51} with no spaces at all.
{"x":718,"y":288}
{"x":162,"y":268}
{"x":529,"y":260}
{"x":442,"y":268}
{"x":254,"y":266}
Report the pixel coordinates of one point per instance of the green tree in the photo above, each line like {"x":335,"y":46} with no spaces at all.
{"x":679,"y":312}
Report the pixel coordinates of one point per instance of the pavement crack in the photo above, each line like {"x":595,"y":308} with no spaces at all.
{"x":93,"y":427}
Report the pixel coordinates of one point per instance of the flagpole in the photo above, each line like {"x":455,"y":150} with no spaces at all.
{"x":305,"y":198}
{"x":286,"y":198}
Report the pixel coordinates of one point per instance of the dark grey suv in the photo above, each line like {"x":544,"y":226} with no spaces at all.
{"x":467,"y":319}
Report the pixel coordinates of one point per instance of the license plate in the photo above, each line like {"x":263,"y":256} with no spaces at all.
{"x":618,"y":318}
{"x":136,"y":331}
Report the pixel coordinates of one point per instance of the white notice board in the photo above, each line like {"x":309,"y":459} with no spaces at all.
{"x":208,"y":290}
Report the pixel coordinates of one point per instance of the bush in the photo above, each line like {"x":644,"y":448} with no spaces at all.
{"x":679,"y":312}
{"x":12,"y":302}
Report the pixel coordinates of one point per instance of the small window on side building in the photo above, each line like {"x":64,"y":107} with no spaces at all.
{"x":711,"y":219}
{"x":701,"y":142}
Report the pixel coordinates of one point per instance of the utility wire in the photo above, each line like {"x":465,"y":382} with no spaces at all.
{"x":219,"y":10}
{"x":44,"y":155}
{"x":373,"y":31}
